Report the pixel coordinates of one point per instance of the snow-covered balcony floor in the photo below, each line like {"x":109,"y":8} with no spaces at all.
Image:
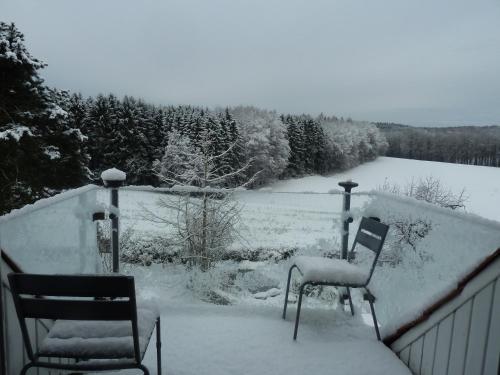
{"x":219,"y":340}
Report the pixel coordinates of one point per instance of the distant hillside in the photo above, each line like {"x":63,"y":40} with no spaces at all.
{"x":390,"y":125}
{"x":476,"y":145}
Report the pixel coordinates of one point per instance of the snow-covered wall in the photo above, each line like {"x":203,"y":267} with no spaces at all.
{"x":449,"y":245}
{"x":462,"y":336}
{"x":53,"y":235}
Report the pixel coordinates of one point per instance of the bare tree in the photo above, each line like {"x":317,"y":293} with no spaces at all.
{"x":206,"y":215}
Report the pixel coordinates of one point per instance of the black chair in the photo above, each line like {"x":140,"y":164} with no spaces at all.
{"x":96,"y":321}
{"x":337,"y":272}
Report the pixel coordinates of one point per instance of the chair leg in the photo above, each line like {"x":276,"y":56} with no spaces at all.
{"x":144,"y":369}
{"x":375,"y":323}
{"x":287,"y":290}
{"x":350,"y":300}
{"x":297,"y":316}
{"x":371,"y":299}
{"x":26,"y":368}
{"x":158,"y":346}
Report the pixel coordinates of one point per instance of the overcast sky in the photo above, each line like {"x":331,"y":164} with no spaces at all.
{"x":419,"y":62}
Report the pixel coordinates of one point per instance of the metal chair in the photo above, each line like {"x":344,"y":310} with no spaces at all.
{"x":96,"y":321}
{"x":317,"y":271}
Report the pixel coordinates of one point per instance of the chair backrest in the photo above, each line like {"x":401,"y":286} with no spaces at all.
{"x":371,"y":234}
{"x":74,"y":297}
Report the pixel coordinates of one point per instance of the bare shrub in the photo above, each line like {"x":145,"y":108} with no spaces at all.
{"x":409,"y":231}
{"x":428,"y":189}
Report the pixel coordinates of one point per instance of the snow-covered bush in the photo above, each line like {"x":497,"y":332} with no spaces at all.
{"x":145,"y":250}
{"x":135,"y":248}
{"x":408,"y":230}
{"x":259,"y":254}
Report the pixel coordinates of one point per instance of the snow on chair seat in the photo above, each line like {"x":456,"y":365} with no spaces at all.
{"x":326,"y":270}
{"x":97,"y":321}
{"x":334,"y":272}
{"x":98,"y":339}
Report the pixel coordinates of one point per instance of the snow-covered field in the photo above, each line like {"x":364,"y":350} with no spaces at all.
{"x":481,"y":184}
{"x":250,"y":337}
{"x":288,"y":214}
{"x":268,"y":219}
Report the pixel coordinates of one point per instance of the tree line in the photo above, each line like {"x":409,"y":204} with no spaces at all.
{"x":51,"y":140}
{"x":472,"y":145}
{"x":131,"y":134}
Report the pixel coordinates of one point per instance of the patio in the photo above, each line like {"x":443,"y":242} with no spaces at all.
{"x":248,"y":337}
{"x":217,"y":340}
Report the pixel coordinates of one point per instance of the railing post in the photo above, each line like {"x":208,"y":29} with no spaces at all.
{"x":114,"y":178}
{"x":348,"y":186}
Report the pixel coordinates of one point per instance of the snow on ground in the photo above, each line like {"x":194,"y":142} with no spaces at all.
{"x":288,"y":220}
{"x":201,"y":338}
{"x":249,"y":337}
{"x":267,"y":220}
{"x":213,"y":340}
{"x":279,"y":216}
{"x":482,"y":184}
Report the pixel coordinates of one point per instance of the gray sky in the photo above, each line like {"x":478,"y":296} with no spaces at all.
{"x":420,"y":62}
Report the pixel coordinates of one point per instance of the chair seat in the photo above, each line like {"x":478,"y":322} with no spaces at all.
{"x":330,"y":271}
{"x":99,"y":339}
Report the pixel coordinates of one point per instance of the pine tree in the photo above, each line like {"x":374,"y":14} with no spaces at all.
{"x":41,"y":152}
{"x":295,"y":135}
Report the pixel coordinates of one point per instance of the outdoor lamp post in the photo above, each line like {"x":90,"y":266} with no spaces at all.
{"x":348,"y":186}
{"x":114,"y":178}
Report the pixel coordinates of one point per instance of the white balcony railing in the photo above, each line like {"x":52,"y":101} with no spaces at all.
{"x":54,"y":235}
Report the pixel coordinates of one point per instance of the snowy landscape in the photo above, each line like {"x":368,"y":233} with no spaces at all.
{"x":301,"y":211}
{"x":195,"y":154}
{"x":288,"y":214}
{"x":240,"y":301}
